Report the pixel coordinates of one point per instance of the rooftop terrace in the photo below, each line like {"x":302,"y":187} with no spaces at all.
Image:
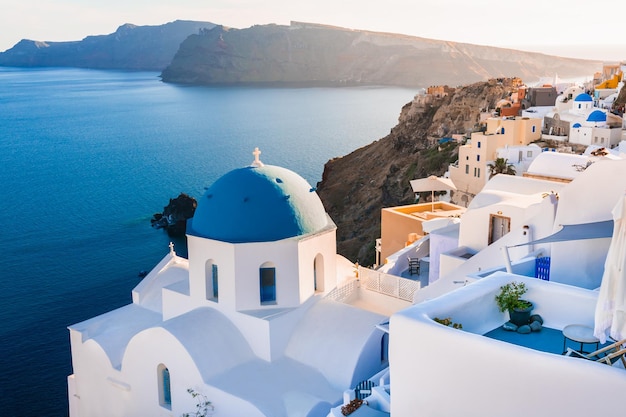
{"x":526,"y":370}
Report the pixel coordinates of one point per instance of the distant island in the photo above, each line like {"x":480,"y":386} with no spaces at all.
{"x":306,"y":54}
{"x":130,"y":47}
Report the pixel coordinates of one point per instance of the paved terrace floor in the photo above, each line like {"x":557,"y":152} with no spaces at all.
{"x":422,"y":277}
{"x":546,"y":340}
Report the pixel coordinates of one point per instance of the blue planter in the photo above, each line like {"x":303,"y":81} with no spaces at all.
{"x":519,"y":317}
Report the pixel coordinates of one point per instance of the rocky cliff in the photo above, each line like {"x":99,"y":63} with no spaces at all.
{"x":175,"y":215}
{"x":130,"y":47}
{"x":354,"y":188}
{"x":315,"y":54}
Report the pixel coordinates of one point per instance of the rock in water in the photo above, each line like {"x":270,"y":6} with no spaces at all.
{"x":175,"y":215}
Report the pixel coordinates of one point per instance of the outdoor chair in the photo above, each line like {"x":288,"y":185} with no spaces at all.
{"x":414,"y":266}
{"x":607,"y":355}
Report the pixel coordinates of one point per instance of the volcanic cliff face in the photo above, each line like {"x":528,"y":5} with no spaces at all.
{"x":315,"y":54}
{"x":354,"y":188}
{"x":130,"y":47}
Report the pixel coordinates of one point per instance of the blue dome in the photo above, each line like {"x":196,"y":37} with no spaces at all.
{"x":576,"y":125}
{"x":597,"y":116}
{"x":258,"y":204}
{"x":583,"y":97}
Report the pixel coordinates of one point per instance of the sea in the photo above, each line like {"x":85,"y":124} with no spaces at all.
{"x":88,"y":156}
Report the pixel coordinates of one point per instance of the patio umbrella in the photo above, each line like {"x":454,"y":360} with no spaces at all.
{"x":432,"y":184}
{"x":610,"y":316}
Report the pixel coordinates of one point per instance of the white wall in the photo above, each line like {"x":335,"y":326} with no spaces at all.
{"x":223,"y":255}
{"x":441,"y":241}
{"x":149,"y":349}
{"x":238,"y":269}
{"x":441,"y":371}
{"x":475,"y":226}
{"x":582,"y":135}
{"x":590,"y":197}
{"x":338,"y":340}
{"x":324,"y":244}
{"x":249,"y":258}
{"x":132,"y":390}
{"x":93,"y":395}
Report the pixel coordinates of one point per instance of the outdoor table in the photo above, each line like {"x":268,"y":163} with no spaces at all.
{"x":580,"y":334}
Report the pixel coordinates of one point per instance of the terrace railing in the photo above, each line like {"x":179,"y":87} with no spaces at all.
{"x":392,"y":285}
{"x":343,"y":293}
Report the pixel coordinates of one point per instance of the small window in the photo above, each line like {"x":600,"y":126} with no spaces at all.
{"x":478,"y":144}
{"x":475,"y":171}
{"x":534,"y":128}
{"x":211,"y":280}
{"x":467,"y":169}
{"x":214,"y":279}
{"x":165,"y":393}
{"x":268,"y":285}
{"x":529,"y":154}
{"x":478,"y":169}
{"x":478,"y":158}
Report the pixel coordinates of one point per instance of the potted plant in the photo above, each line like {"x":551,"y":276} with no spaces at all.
{"x":448,"y":322}
{"x":509,"y":299}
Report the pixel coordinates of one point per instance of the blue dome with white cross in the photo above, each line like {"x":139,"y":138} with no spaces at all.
{"x":258,"y":203}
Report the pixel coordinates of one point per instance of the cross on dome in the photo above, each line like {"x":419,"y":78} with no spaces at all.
{"x":172,"y":249}
{"x":257,"y":162}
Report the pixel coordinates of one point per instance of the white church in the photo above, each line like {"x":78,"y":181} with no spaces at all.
{"x":576,"y":116}
{"x":245,"y":321}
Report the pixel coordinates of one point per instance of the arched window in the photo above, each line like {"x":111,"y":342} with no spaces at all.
{"x":384,"y":348}
{"x":165,"y":392}
{"x":214,"y":280}
{"x":267,"y":281}
{"x":211,"y":280}
{"x":318,"y":273}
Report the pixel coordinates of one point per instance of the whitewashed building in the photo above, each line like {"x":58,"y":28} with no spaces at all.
{"x":579,"y":121}
{"x":245,"y":321}
{"x":482,"y":370}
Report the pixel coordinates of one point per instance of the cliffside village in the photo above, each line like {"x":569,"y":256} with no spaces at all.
{"x":264,"y":318}
{"x":577,"y":122}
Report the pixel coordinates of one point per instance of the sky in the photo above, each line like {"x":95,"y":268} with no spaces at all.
{"x":573,"y":28}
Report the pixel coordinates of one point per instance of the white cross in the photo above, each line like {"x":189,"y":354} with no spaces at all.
{"x":172,"y":249}
{"x":257,"y":162}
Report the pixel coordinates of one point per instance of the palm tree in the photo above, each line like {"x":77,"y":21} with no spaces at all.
{"x":501,"y":166}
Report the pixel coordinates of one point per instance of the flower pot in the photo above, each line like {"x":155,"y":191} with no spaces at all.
{"x":520,"y":316}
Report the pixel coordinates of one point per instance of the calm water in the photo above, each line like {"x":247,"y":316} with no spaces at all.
{"x":86,"y":158}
